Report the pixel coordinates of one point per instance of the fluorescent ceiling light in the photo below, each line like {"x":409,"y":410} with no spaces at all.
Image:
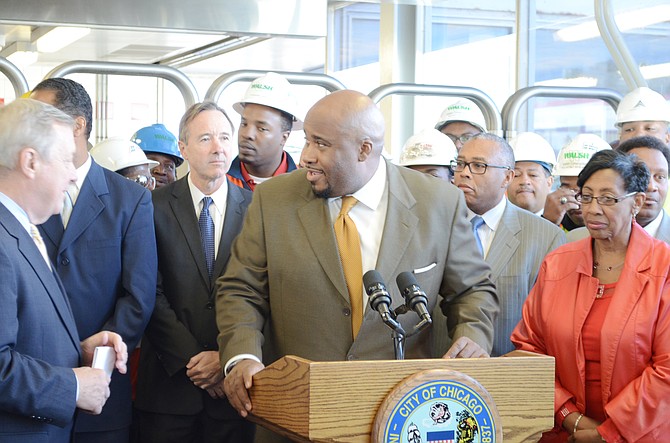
{"x":60,"y":37}
{"x":580,"y":82}
{"x":656,"y":71}
{"x":20,"y":53}
{"x":23,"y":58}
{"x":635,"y":19}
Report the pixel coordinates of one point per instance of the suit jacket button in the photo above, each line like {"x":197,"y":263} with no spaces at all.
{"x":346,"y":312}
{"x":65,"y":261}
{"x":209,"y":306}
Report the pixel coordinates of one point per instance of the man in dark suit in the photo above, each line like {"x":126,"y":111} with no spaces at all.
{"x":39,"y":343}
{"x":180,"y":394}
{"x":104,"y":250}
{"x":285,"y":290}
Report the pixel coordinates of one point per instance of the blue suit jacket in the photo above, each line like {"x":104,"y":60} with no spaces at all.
{"x":106,"y":259}
{"x":38,"y":343}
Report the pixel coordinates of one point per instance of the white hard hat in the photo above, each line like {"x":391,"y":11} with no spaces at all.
{"x":274,"y":91}
{"x":642,"y":104}
{"x":462,"y":110}
{"x":428,"y":147}
{"x":575,"y":155}
{"x":532,"y":147}
{"x":117,"y":153}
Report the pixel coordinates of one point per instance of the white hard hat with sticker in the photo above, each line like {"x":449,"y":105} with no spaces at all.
{"x":575,"y":155}
{"x":463,"y":110}
{"x":274,"y":91}
{"x":428,"y":147}
{"x":642,"y":104}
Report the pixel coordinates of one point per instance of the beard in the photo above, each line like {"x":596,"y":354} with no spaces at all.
{"x":327,"y":192}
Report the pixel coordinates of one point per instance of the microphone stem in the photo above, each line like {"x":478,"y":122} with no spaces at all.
{"x":399,"y":345}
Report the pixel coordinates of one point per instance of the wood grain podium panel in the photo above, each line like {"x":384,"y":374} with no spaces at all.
{"x":337,"y":401}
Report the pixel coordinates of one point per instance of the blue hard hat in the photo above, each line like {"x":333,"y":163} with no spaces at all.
{"x":156,"y":138}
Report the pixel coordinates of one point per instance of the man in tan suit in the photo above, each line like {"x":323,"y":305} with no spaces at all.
{"x":284,"y":291}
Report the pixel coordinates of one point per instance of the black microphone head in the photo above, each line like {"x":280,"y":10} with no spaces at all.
{"x":372,"y":278}
{"x":404,"y":280}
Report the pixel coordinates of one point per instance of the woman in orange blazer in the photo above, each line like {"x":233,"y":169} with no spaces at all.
{"x":601,"y":308}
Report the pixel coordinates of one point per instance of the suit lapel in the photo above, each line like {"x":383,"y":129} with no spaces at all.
{"x":398,"y":227}
{"x":46,"y":276}
{"x":52,"y":233}
{"x":663,"y":232}
{"x":184,"y":212}
{"x":232,"y":224}
{"x":88,"y":205}
{"x":504,"y":243}
{"x":315,"y":219}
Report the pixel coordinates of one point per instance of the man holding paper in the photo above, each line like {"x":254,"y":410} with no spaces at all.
{"x":44,"y":373}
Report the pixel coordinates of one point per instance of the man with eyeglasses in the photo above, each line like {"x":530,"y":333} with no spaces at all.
{"x":126,"y":159}
{"x":512,"y":240}
{"x":460,"y":121}
{"x":103,"y":248}
{"x":652,"y":217}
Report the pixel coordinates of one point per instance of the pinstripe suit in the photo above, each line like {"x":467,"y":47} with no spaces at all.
{"x":519,"y":245}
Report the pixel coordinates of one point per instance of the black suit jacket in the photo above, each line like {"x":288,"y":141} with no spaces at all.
{"x":183,"y":323}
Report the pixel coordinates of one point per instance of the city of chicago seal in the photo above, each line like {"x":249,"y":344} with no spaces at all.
{"x":438,"y":406}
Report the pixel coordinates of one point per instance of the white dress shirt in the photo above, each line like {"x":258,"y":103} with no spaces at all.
{"x":492,"y":219}
{"x":217,"y":209}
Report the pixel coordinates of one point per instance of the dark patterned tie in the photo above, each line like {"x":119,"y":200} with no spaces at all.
{"x":206,"y":225}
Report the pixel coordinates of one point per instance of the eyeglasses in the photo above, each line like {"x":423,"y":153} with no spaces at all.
{"x":461,"y":138}
{"x":143,"y":180}
{"x":477,"y":168}
{"x":603,"y":200}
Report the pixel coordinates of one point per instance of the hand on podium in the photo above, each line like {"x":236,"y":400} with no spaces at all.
{"x":237,"y":383}
{"x":465,"y":347}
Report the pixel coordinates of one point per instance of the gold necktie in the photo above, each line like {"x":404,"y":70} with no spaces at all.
{"x":349,"y":245}
{"x":37,"y":238}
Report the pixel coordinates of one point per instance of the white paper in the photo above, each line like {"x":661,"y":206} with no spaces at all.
{"x":104,"y":358}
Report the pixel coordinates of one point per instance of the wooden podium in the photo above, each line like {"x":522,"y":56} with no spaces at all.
{"x":337,"y":401}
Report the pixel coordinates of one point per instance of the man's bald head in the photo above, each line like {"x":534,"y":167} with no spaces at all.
{"x":344,"y":134}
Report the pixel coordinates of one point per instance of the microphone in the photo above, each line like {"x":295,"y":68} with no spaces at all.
{"x":378,"y":297}
{"x":415,"y":298}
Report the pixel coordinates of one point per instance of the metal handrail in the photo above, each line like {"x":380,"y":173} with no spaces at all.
{"x":15,"y":76}
{"x":485,"y":103}
{"x":300,"y":78}
{"x":173,"y":75}
{"x":609,"y":31}
{"x":510,"y":110}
